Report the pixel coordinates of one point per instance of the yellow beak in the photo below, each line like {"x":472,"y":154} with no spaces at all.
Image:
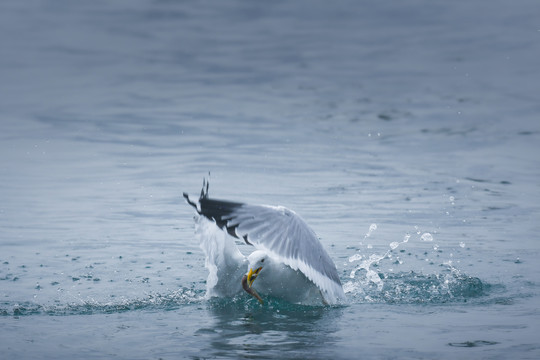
{"x":252,"y":275}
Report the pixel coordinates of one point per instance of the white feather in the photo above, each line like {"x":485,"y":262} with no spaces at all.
{"x":298,"y":268}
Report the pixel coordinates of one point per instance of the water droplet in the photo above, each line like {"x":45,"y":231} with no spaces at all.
{"x":462,"y":244}
{"x":372,"y":228}
{"x":394,"y":245}
{"x":451,"y":198}
{"x":426,"y":237}
{"x":355,"y":257}
{"x":406,"y":238}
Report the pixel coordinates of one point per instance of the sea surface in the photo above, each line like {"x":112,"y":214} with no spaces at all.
{"x":405,"y":133}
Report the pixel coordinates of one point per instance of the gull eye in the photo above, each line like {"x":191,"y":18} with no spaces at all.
{"x":262,"y":260}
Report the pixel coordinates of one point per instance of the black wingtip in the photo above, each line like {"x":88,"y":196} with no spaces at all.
{"x":186,"y":196}
{"x":204,"y":193}
{"x":216,"y":210}
{"x":205,"y":185}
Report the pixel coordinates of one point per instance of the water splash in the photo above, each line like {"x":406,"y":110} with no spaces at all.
{"x":417,"y":288}
{"x":154,"y":301}
{"x":375,"y":279}
{"x":225,"y":263}
{"x":371,"y":229}
{"x":371,"y":277}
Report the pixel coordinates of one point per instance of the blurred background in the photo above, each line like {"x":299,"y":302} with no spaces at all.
{"x":418,"y":117}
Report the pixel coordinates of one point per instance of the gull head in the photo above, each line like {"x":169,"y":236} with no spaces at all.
{"x":256,"y":263}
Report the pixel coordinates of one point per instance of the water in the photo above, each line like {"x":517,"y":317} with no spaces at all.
{"x":405,"y":134}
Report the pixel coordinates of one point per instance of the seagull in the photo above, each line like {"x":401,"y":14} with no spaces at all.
{"x":289,"y":261}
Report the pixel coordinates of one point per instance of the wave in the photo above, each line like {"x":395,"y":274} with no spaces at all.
{"x":169,"y":301}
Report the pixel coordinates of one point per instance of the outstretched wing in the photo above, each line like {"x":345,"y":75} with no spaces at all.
{"x":281,"y":233}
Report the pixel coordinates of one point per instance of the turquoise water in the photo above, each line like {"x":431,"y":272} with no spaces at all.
{"x":406,"y":135}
